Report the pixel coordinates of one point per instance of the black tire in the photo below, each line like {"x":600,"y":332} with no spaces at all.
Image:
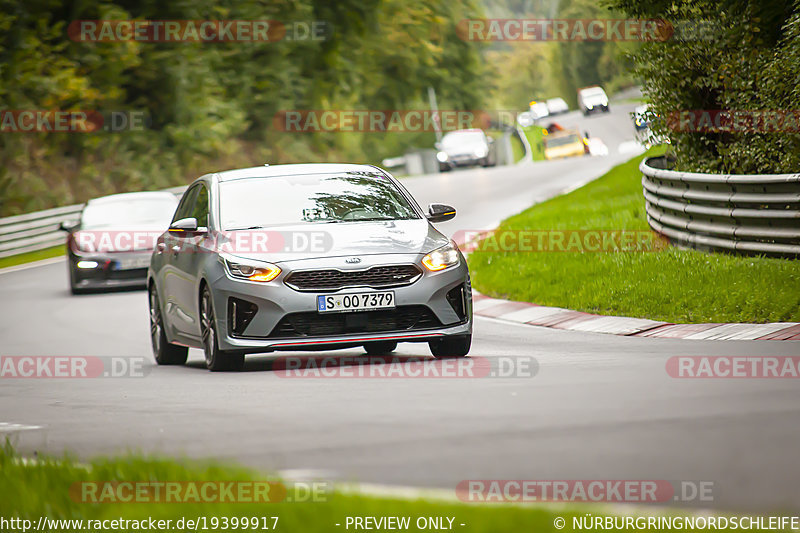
{"x":444,"y":168}
{"x":164,"y":352}
{"x":216,"y":360}
{"x":485,"y":162}
{"x":606,"y":109}
{"x":380,"y":348}
{"x":451,"y":347}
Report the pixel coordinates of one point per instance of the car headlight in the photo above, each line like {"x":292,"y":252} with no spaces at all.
{"x":441,"y":156}
{"x":481,"y":152}
{"x":250,"y":270}
{"x":441,"y":258}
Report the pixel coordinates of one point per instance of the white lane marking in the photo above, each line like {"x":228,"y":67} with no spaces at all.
{"x":10,"y":427}
{"x":451,"y":495}
{"x":34,"y":264}
{"x":307,"y":474}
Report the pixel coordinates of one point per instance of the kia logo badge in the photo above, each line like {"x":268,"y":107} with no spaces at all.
{"x":352,"y":260}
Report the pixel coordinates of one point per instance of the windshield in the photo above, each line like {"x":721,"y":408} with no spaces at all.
{"x":322,"y":198}
{"x":596,"y":91}
{"x":458,"y":139}
{"x":551,"y":142}
{"x":129,"y":211}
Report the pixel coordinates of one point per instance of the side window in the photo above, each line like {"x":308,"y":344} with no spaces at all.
{"x":200,"y":211}
{"x":186,"y":205}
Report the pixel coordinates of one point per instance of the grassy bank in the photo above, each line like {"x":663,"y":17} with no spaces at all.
{"x":668,"y":284}
{"x":535,"y":134}
{"x":30,"y":257}
{"x":54,"y":489}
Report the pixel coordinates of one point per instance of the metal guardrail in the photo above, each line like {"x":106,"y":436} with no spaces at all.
{"x":40,"y":230}
{"x":749,"y":214}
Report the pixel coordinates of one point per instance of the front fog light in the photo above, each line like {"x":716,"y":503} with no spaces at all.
{"x":87,"y":264}
{"x":441,"y":258}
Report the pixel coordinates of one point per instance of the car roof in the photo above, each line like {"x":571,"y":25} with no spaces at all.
{"x":470,"y":130}
{"x":270,"y":171}
{"x":132,"y":196}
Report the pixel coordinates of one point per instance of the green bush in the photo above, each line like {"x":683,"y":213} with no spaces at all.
{"x":743,"y":55}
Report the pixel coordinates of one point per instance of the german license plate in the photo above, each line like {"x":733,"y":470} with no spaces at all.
{"x":360,"y":301}
{"x":131,"y":263}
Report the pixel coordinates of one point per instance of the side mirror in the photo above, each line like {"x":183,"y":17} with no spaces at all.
{"x":68,"y":225}
{"x":184,"y":226}
{"x":437,"y":145}
{"x":490,"y":139}
{"x":440,"y":212}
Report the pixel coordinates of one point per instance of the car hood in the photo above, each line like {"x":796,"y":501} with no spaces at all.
{"x":310,"y":241}
{"x":122,"y":238}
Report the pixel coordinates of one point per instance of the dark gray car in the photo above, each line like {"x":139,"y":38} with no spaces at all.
{"x":305,"y":257}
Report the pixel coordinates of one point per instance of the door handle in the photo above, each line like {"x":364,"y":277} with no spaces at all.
{"x":160,"y":247}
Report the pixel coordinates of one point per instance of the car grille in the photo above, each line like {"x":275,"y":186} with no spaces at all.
{"x":312,"y":324}
{"x":376,"y":277}
{"x":124,"y":275}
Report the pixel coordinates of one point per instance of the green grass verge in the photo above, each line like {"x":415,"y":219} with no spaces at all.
{"x":682,"y":286}
{"x":535,"y":134}
{"x":52,"y":488}
{"x":29,"y":257}
{"x":517,"y":148}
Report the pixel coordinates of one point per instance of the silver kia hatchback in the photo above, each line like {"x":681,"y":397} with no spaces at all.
{"x":305,"y":257}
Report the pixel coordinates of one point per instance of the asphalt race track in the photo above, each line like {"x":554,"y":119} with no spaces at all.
{"x":599,"y":406}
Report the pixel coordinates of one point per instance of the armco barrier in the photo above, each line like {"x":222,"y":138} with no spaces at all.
{"x":749,"y":214}
{"x":36,"y":231}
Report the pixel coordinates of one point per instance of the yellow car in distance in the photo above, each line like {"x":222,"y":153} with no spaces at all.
{"x":562,"y":144}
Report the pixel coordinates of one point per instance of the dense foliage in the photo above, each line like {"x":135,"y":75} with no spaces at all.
{"x":526,"y":70}
{"x":211,"y":105}
{"x":742,"y":56}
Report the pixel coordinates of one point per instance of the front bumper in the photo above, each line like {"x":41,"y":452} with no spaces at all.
{"x":287,"y":319}
{"x":463,"y":161}
{"x":111,"y":271}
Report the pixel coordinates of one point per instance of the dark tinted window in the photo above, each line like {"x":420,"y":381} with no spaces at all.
{"x":311,"y":198}
{"x":186,"y":206}
{"x":128,"y":210}
{"x":200,"y":211}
